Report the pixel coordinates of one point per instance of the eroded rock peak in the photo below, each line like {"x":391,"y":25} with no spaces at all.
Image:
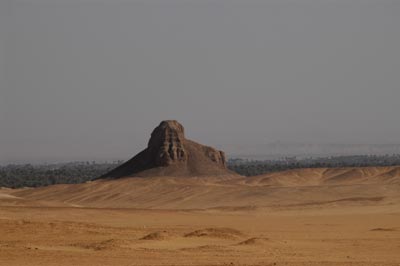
{"x":169,"y":153}
{"x":166,"y":143}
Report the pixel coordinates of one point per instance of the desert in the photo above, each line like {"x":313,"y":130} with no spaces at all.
{"x":199,"y":133}
{"x":205,"y":214}
{"x":175,"y":227}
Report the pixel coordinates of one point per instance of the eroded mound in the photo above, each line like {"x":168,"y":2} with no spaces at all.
{"x":103,"y":245}
{"x":206,"y":248}
{"x":379,"y":229}
{"x":254,"y":241}
{"x":223,"y":233}
{"x":160,"y":235}
{"x":169,"y":153}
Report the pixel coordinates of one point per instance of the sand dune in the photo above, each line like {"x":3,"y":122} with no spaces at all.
{"x":330,"y":176}
{"x":302,"y":187}
{"x":347,"y":216}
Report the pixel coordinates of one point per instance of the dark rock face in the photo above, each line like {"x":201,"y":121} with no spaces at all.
{"x":166,"y":143}
{"x":169,"y":153}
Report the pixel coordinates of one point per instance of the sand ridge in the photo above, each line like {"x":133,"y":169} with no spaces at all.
{"x":301,"y":187}
{"x":346,"y":216}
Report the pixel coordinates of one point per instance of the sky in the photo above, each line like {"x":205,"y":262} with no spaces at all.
{"x":90,"y":79}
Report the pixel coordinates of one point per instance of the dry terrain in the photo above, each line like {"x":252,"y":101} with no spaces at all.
{"x":348,"y":216}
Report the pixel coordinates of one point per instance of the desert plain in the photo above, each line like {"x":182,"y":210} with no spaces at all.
{"x":347,"y":216}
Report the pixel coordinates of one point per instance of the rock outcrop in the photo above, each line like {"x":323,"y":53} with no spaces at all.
{"x":166,"y":143}
{"x":169,"y":153}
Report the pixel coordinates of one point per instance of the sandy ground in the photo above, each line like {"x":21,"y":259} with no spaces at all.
{"x":74,"y":236}
{"x":307,"y":217}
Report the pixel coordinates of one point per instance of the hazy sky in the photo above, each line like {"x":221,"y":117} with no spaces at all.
{"x":90,"y":79}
